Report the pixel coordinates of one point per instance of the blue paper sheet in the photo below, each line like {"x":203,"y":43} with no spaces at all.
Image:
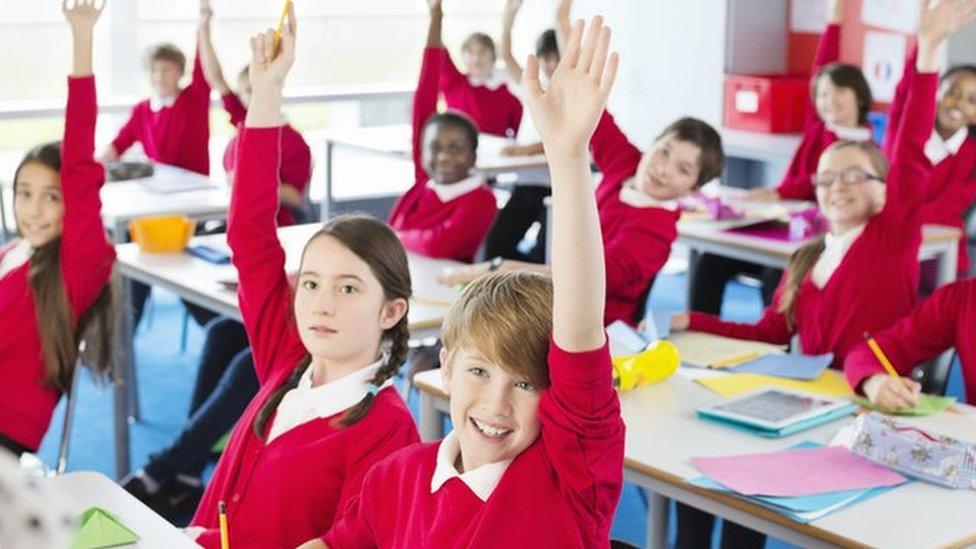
{"x":805,"y":367}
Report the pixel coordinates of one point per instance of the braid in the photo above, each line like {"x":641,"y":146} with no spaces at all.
{"x":264,"y":414}
{"x":399,"y":347}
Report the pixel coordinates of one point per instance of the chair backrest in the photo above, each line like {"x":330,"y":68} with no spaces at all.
{"x":69,"y":415}
{"x":934,"y":374}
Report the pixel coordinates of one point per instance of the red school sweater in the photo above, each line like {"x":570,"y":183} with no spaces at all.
{"x":952,"y":185}
{"x":286,"y":492}
{"x":87,"y":257}
{"x":425,"y":224}
{"x":495,"y":112}
{"x":561,"y":491}
{"x":636,"y":241}
{"x":177,"y":135}
{"x":797,"y":183}
{"x":945,"y":320}
{"x":877,"y":281}
{"x":296,"y":157}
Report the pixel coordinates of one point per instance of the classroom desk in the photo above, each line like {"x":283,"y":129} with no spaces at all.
{"x":88,"y":489}
{"x":196,"y":281}
{"x":394,"y":141}
{"x":761,"y":147}
{"x":663,"y":433}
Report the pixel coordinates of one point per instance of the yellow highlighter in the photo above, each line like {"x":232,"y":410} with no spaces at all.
{"x":879,"y":354}
{"x":281,"y":28}
{"x":224,"y":538}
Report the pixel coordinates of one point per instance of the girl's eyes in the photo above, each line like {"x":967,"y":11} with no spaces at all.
{"x":525,"y":386}
{"x":309,"y":284}
{"x":51,"y":197}
{"x":347,"y":289}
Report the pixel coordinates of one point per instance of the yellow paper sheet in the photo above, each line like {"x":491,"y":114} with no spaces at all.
{"x":706,"y":350}
{"x":830,"y":383}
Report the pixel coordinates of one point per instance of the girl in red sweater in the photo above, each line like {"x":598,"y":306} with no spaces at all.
{"x":481,"y":93}
{"x":943,"y":321}
{"x":863,"y":274}
{"x":324,"y":352}
{"x":449,"y":209}
{"x":54,"y":281}
{"x":536,"y":455}
{"x":951,"y":149}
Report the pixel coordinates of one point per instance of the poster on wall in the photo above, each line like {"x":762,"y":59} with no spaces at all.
{"x":896,"y":15}
{"x":808,"y":15}
{"x":883,"y":63}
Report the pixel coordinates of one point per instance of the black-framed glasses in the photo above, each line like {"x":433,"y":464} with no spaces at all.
{"x":850,"y":176}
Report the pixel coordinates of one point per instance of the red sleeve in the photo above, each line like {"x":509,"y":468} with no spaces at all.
{"x":449,"y":75}
{"x":199,"y":87}
{"x":828,"y":51}
{"x":910,"y":170}
{"x":264,"y":293}
{"x":633,"y":259}
{"x":897,"y":110}
{"x":583,"y":432}
{"x":234,"y":107}
{"x":461,"y":234}
{"x":612,"y":151}
{"x":771,"y":328}
{"x":129,"y":133}
{"x":210,"y":539}
{"x":916,"y":338}
{"x":296,"y":162}
{"x":352,"y":528}
{"x":425,"y":103}
{"x":87,"y":256}
{"x":797,"y":183}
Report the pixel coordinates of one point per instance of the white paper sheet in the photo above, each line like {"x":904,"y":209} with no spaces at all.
{"x":883,"y":63}
{"x":896,"y":15}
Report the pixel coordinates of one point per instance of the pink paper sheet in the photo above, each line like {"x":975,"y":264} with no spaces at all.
{"x":796,"y":472}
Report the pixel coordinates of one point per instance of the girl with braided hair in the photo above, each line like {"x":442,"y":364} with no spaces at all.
{"x":324,"y":352}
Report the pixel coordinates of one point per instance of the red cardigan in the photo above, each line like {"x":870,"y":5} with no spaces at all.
{"x":87,"y":257}
{"x":945,"y":320}
{"x":559,"y":492}
{"x":877,"y":281}
{"x":296,"y":157}
{"x":636,"y":241}
{"x":177,"y":135}
{"x":797,"y":183}
{"x":952,"y":185}
{"x":286,"y":492}
{"x":495,"y":112}
{"x":453,"y":229}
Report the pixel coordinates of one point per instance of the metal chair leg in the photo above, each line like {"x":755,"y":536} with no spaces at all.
{"x":69,"y":415}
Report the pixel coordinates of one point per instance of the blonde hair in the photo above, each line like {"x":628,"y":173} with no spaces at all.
{"x":507,"y":318}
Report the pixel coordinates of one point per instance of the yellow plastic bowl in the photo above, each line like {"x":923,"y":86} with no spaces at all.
{"x":162,"y":234}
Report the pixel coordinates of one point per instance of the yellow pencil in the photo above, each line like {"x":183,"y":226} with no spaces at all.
{"x":224,"y":539}
{"x":281,"y":27}
{"x":879,"y":354}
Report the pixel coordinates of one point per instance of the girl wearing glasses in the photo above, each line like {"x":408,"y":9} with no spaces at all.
{"x":863,"y":274}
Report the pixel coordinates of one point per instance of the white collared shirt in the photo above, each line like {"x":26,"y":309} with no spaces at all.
{"x":305,"y":403}
{"x":847,"y":133}
{"x":15,"y":257}
{"x":493,"y":82}
{"x":938,"y":149}
{"x":482,"y":481}
{"x":158,"y":102}
{"x":447,"y":193}
{"x":630,"y":196}
{"x":835,"y":248}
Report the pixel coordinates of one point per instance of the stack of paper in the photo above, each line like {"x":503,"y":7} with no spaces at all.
{"x":830,"y":383}
{"x":711,"y":351}
{"x":804,"y":483}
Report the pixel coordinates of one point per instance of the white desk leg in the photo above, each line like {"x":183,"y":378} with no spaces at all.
{"x":948,"y":264}
{"x":657,"y":520}
{"x":431,"y":421}
{"x":327,"y":198}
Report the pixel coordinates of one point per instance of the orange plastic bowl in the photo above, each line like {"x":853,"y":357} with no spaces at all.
{"x":162,"y":234}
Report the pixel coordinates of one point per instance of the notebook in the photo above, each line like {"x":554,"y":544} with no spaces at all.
{"x":703,"y":350}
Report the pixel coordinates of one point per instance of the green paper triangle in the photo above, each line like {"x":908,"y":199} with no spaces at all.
{"x":99,"y":528}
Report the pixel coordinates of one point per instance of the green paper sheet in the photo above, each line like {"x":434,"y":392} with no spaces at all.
{"x":99,"y":529}
{"x":927,"y":405}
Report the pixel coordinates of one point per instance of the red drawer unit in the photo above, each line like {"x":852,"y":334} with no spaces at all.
{"x":769,"y":103}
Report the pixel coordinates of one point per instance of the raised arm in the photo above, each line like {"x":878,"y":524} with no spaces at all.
{"x":264,"y":292}
{"x":434,"y":39}
{"x":896,"y":113}
{"x":566,"y":115}
{"x":209,"y":61}
{"x":512,"y":8}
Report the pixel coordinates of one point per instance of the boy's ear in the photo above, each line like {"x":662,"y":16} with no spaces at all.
{"x":445,"y":370}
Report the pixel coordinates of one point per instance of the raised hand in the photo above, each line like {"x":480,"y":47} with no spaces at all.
{"x":267,"y":73}
{"x":82,"y":14}
{"x":835,"y":11}
{"x":512,"y":8}
{"x":936,"y":25}
{"x":206,"y":16}
{"x":567,"y":112}
{"x":435,"y":5}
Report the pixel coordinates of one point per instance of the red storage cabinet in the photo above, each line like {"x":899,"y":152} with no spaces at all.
{"x":768,"y":103}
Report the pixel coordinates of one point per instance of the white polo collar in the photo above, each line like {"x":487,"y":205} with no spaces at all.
{"x":447,"y":193}
{"x":848,"y":133}
{"x":631,"y":196}
{"x":493,"y":82}
{"x":16,"y":255}
{"x":482,"y":481}
{"x":938,"y":149}
{"x":158,"y":102}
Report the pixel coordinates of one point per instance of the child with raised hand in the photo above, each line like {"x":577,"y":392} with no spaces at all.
{"x":863,"y":275}
{"x":536,"y":457}
{"x":55,"y":290}
{"x":480,"y":93}
{"x":296,"y":157}
{"x":173,"y":124}
{"x":449,"y":209}
{"x":324,"y":352}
